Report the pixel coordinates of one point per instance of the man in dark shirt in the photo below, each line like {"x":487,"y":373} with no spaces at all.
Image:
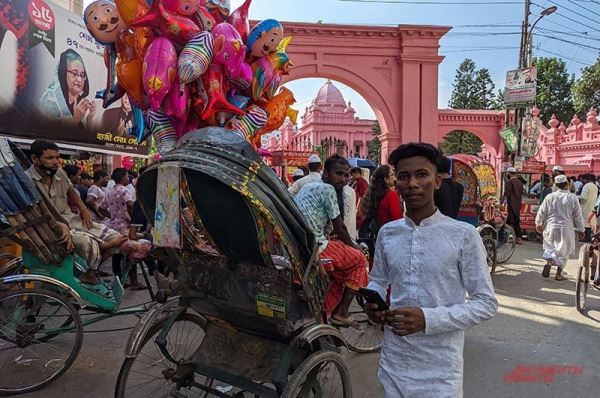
{"x":513,"y":195}
{"x":450,"y":194}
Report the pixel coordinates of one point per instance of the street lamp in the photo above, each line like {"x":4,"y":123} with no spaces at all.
{"x":544,"y":13}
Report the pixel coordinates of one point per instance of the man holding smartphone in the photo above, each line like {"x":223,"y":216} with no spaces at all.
{"x":431,"y":263}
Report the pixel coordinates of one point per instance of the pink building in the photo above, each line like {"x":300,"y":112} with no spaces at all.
{"x":328,"y":122}
{"x":576,"y":148}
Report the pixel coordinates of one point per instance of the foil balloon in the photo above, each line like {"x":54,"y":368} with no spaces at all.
{"x":199,"y":98}
{"x":264,"y":38}
{"x":139,"y":124}
{"x":238,"y":100}
{"x":103,"y":21}
{"x":130,"y":10}
{"x":129,"y":67}
{"x":268,"y":71}
{"x":204,"y":19}
{"x":195,"y":58}
{"x":127,"y":162}
{"x":162,"y":131}
{"x":230,"y":52}
{"x":248,"y":125}
{"x":215,"y":89}
{"x":113,"y":90}
{"x":143,"y":38}
{"x":219,"y":9}
{"x":172,"y":26}
{"x":239,"y":20}
{"x":159,"y":69}
{"x":176,"y":105}
{"x":278,"y":109}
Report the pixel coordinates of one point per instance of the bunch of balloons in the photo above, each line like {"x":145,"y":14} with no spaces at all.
{"x":187,"y":64}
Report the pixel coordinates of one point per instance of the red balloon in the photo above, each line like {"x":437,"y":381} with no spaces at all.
{"x":174,"y":27}
{"x":215,"y":88}
{"x":239,"y":20}
{"x":127,"y":162}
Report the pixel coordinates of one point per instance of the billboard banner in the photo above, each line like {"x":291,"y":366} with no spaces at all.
{"x":521,"y":86}
{"x":51,"y":70}
{"x":530,"y":132}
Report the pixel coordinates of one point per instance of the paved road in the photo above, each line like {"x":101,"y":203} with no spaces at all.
{"x":537,"y":325}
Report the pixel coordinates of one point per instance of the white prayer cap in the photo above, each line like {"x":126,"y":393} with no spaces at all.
{"x":511,"y":170}
{"x":314,"y":159}
{"x":560,"y":179}
{"x":298,"y":173}
{"x":557,"y":168}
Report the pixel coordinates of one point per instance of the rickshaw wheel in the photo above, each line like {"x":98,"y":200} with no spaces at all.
{"x":146,"y":374}
{"x":491,"y":254}
{"x":26,"y":317}
{"x":370,"y":335}
{"x":322,"y":375}
{"x":506,"y":244}
{"x":583,"y":277}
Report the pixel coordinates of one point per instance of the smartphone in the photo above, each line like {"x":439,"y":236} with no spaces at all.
{"x":372,"y":297}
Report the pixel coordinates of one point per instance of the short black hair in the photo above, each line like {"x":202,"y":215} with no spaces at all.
{"x":314,"y":167}
{"x":86,"y":176}
{"x":444,"y":165}
{"x":334,"y":159}
{"x":71,"y":169}
{"x":118,"y":174}
{"x":39,"y":146}
{"x":414,"y":149}
{"x":355,"y":170}
{"x":100,"y":174}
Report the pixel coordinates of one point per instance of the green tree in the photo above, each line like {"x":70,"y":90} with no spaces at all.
{"x":498,"y":101}
{"x":473,"y":89}
{"x":586,"y":91}
{"x":374,"y":147}
{"x":554,"y":85}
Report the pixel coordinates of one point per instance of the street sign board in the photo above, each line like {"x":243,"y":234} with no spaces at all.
{"x":521,"y":87}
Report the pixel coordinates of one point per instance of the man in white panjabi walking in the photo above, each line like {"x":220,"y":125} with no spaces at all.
{"x":558,"y":217}
{"x":432,"y":262}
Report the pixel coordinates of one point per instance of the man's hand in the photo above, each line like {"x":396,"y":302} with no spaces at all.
{"x":374,"y":314}
{"x":65,"y":237}
{"x":405,"y":321}
{"x":540,"y":228}
{"x":86,"y":217}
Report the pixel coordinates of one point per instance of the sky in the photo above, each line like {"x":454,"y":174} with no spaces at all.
{"x":492,"y":47}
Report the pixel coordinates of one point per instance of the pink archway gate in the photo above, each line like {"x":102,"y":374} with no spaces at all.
{"x":394,"y":68}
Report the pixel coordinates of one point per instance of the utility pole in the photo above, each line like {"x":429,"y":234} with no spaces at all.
{"x":523,"y":60}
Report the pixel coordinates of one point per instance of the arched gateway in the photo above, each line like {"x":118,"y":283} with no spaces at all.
{"x":395,"y":69}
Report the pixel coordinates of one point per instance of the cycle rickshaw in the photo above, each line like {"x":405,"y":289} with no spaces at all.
{"x":588,"y":272}
{"x":480,"y":207}
{"x":41,"y":329}
{"x":249,"y":319}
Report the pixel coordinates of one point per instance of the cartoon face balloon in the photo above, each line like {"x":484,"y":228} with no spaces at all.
{"x":103,"y":21}
{"x":265,"y":37}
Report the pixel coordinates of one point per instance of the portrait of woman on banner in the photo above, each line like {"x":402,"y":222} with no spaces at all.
{"x":65,"y":100}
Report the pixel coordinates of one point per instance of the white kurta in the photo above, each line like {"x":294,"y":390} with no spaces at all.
{"x":295,"y":188}
{"x":432,"y":266}
{"x":559,"y":214}
{"x":587,"y":200}
{"x":350,"y":211}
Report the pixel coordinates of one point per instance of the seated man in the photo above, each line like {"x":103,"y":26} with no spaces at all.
{"x":89,"y":237}
{"x":319,"y":204}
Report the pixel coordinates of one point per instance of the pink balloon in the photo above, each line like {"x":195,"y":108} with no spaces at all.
{"x":229,"y":51}
{"x":127,"y":162}
{"x":177,"y":105}
{"x":160,"y":67}
{"x":239,"y":20}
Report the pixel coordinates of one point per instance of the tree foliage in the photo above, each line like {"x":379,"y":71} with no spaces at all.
{"x":554,"y":84}
{"x":473,"y":89}
{"x":374,"y":147}
{"x":586,"y":91}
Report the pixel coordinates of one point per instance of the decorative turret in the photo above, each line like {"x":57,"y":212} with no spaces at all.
{"x":562,"y":128}
{"x":553,"y":123}
{"x":575,"y":121}
{"x":592,"y":118}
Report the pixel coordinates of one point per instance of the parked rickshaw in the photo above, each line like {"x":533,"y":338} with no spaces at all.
{"x":41,"y":330}
{"x":250,"y":319}
{"x":480,"y":207}
{"x":588,"y":272}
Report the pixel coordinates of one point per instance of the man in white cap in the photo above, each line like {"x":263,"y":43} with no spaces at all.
{"x":558,"y":217}
{"x":513,"y":195}
{"x":298,"y":174}
{"x":314,"y":167}
{"x":557,"y":171}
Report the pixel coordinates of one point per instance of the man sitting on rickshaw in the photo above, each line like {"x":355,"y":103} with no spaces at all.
{"x":346,"y":265}
{"x":89,"y":237}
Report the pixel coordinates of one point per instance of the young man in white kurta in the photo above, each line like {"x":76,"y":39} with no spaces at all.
{"x":431,"y":262}
{"x":557,"y":217}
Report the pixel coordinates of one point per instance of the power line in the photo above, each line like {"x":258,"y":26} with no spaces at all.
{"x":441,"y":2}
{"x":580,"y":35}
{"x":571,"y":19}
{"x":563,"y":56}
{"x":571,"y":42}
{"x":585,"y":8}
